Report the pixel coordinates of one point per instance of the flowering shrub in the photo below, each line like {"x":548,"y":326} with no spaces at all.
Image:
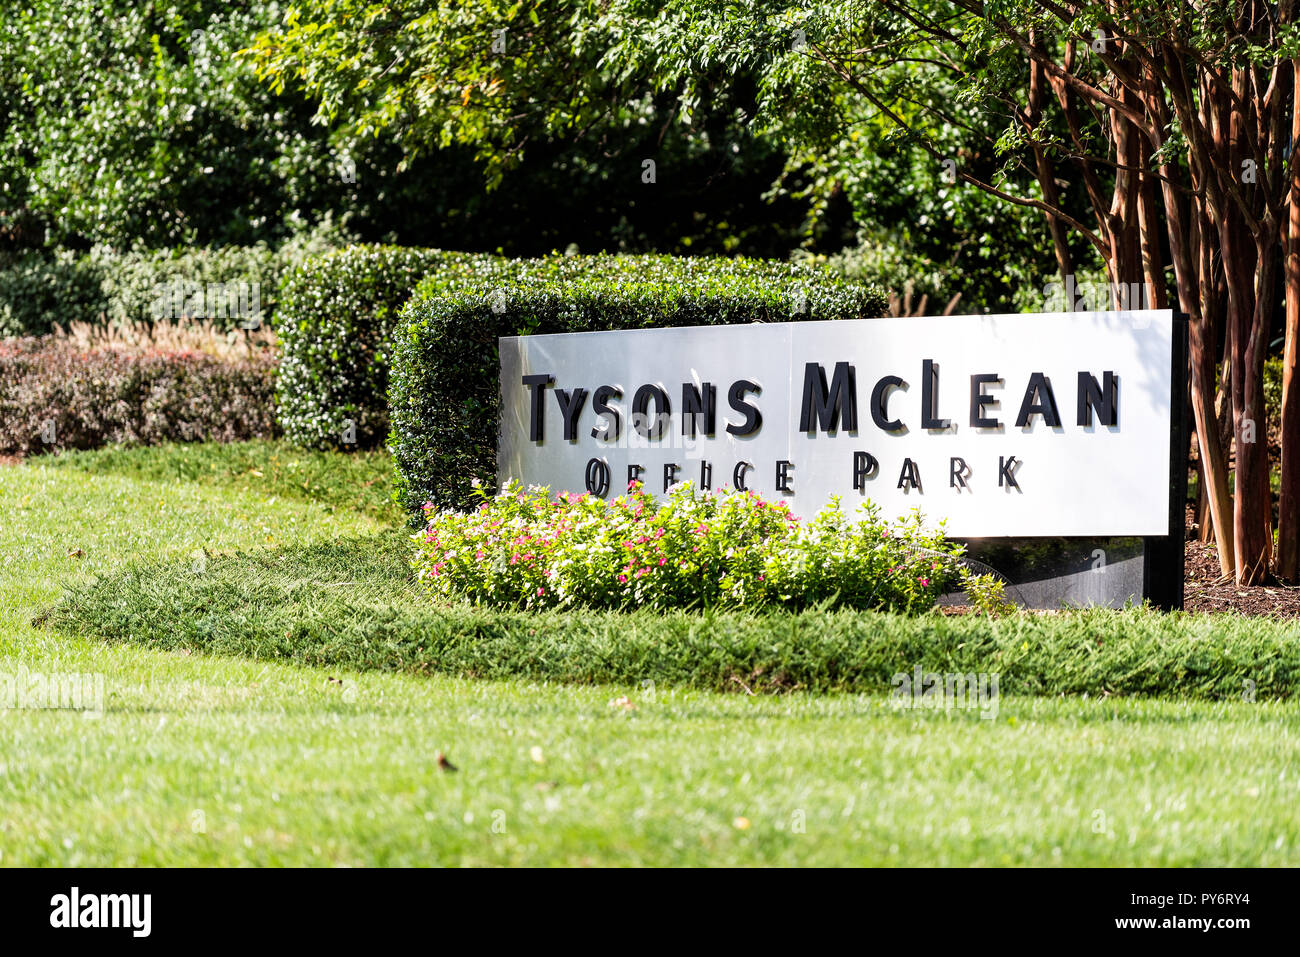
{"x":522,"y":549}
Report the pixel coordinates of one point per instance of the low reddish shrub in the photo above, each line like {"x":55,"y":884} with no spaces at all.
{"x":56,"y":396}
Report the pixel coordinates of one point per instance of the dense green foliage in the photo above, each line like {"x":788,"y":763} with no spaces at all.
{"x":142,"y":124}
{"x":863,"y":142}
{"x":336,"y":324}
{"x":130,"y":122}
{"x":692,"y":549}
{"x":278,"y":605}
{"x":39,"y":289}
{"x":444,"y":389}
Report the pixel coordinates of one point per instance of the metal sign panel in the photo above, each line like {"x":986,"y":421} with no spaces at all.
{"x":1009,"y":425}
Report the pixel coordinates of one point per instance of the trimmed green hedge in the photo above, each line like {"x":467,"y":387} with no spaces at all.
{"x":337,"y":314}
{"x":444,"y":384}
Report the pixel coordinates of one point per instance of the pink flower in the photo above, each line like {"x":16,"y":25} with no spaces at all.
{"x":662,"y":560}
{"x":924,"y":582}
{"x":622,"y":579}
{"x":700,"y":529}
{"x":478,"y":554}
{"x":541,"y":592}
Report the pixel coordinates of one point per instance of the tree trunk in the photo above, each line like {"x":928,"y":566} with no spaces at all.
{"x":1201,"y":362}
{"x":1288,"y":525}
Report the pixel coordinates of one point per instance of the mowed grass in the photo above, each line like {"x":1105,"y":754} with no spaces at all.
{"x":225,"y":760}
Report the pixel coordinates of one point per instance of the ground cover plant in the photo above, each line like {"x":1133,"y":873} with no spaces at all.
{"x":355,"y":604}
{"x":523,"y":548}
{"x":223,"y":741}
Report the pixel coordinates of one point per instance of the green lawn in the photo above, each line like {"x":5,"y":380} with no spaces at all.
{"x":224,"y":760}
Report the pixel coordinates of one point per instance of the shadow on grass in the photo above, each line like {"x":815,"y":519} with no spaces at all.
{"x":356,"y":481}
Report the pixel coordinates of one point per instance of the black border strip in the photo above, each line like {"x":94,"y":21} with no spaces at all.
{"x":1164,"y":557}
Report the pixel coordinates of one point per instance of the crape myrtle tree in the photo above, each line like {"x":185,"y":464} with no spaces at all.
{"x":1152,"y":136}
{"x":1173,"y":120}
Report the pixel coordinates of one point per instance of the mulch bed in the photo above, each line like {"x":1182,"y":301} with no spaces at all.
{"x":1204,"y":591}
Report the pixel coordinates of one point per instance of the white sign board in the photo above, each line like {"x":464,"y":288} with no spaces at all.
{"x":1010,"y":425}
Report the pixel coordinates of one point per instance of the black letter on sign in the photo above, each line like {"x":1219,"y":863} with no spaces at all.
{"x":697,"y":408}
{"x":1038,"y":401}
{"x":634,"y":474}
{"x":538,"y":384}
{"x":738,"y":475}
{"x":783,"y":476}
{"x":930,"y":396}
{"x":736,"y":396}
{"x":571,"y":404}
{"x":706,"y":475}
{"x":670,"y":475}
{"x":1102,"y":398}
{"x":958,"y":473}
{"x":978,"y":400}
{"x":597,"y":477}
{"x":600,"y":405}
{"x":879,"y":401}
{"x":641,"y":419}
{"x":864,"y":467}
{"x":1006,"y":472}
{"x":910,"y":477}
{"x":837,"y":405}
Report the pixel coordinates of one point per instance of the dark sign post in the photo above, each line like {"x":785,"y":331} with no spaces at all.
{"x":1164,"y":557}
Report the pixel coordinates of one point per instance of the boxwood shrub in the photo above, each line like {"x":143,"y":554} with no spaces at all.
{"x":337,"y":314}
{"x":444,"y":386}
